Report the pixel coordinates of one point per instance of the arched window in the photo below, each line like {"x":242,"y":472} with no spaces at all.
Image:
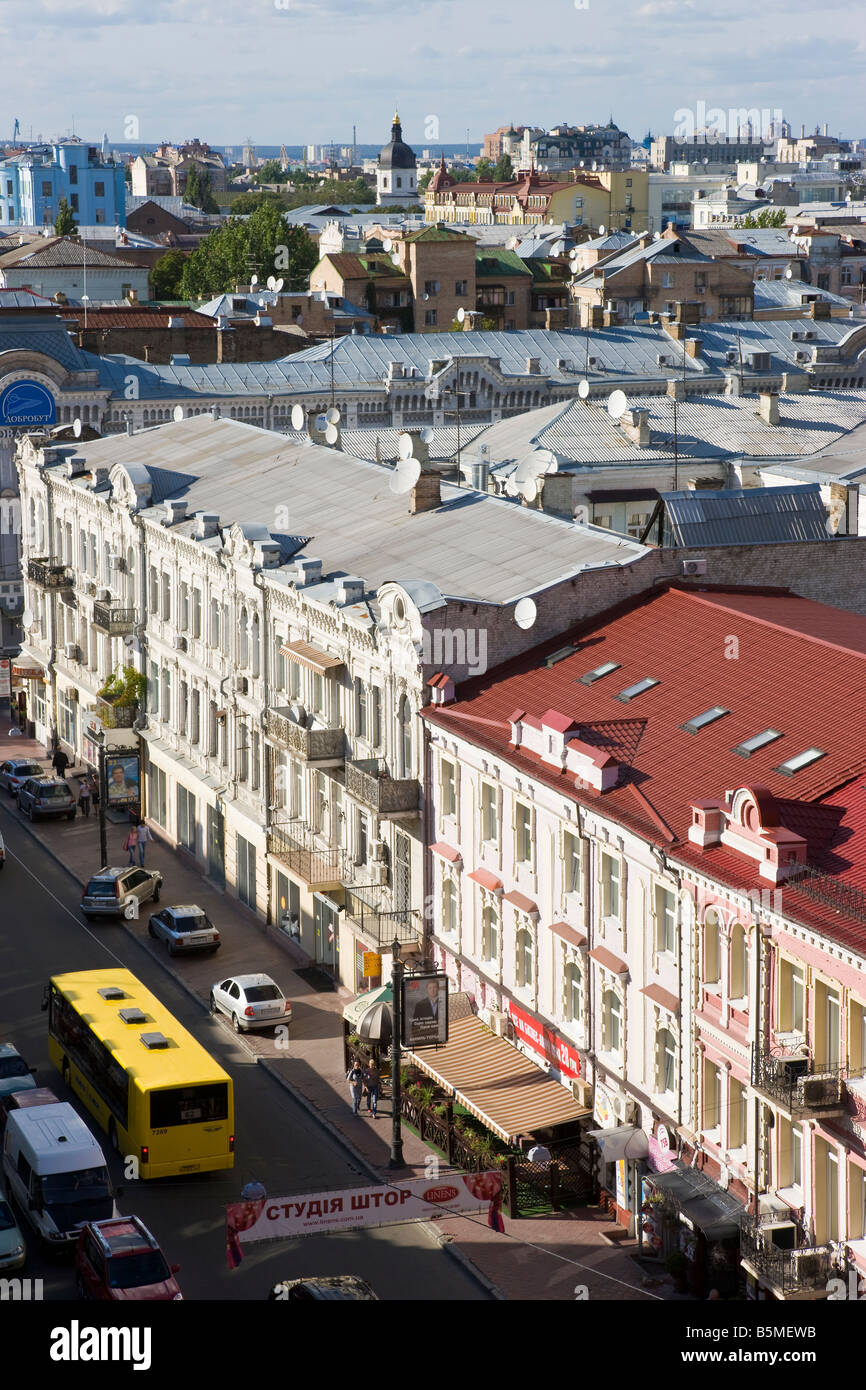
{"x":449,"y":908}
{"x":244,"y":648}
{"x":611,"y":1021}
{"x":257,"y":645}
{"x":712,"y":948}
{"x":739,"y":963}
{"x":573,"y":989}
{"x":666,"y":1062}
{"x":524,"y":962}
{"x":489,"y":934}
{"x":404,"y":717}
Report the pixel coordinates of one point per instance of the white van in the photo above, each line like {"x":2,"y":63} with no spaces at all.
{"x":56,"y":1172}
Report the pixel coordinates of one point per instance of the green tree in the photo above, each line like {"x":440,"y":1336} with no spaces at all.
{"x":271,"y":172}
{"x":424,"y":180}
{"x":199,"y":191}
{"x":64,"y":222}
{"x":767,"y":217}
{"x":484,"y":171}
{"x":264,"y":243}
{"x":166,"y":276}
{"x":503,"y":170}
{"x":248,"y":202}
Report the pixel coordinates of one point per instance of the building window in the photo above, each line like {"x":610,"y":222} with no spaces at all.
{"x":522,"y":833}
{"x":186,"y":819}
{"x":183,"y":615}
{"x":739,"y":963}
{"x":317,"y":691}
{"x":666,"y":1062}
{"x":404,"y":715}
{"x":667,"y":280}
{"x":570,"y":863}
{"x":156,"y":795}
{"x":792,"y":998}
{"x":73,"y":201}
{"x":449,"y":908}
{"x":826,"y":1180}
{"x":195,"y":717}
{"x":448,"y":787}
{"x":610,"y":882}
{"x":712,"y":948}
{"x":524,"y":947}
{"x":214,"y":624}
{"x":244,"y":644}
{"x":73,"y":173}
{"x":99,"y":190}
{"x":827,"y":1027}
{"x":611,"y":1019}
{"x":460,"y":287}
{"x":666,"y":921}
{"x":153,"y":688}
{"x":246,"y":872}
{"x":212,"y":730}
{"x":153,"y":592}
{"x":856,"y":1037}
{"x":431,"y":286}
{"x":790,"y":1153}
{"x":360,"y":708}
{"x":489,"y":934}
{"x":165,"y":702}
{"x":430,"y":318}
{"x":736,"y":1113}
{"x":255,"y":761}
{"x":183,"y":707}
{"x":712,"y":1112}
{"x":165,"y":610}
{"x":573,"y":987}
{"x":376,"y":716}
{"x":489,"y":814}
{"x":67,"y":709}
{"x":196,"y":613}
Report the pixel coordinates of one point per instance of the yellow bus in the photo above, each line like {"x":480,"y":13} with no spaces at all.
{"x":157,"y":1093}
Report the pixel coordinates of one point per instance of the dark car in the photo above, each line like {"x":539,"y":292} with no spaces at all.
{"x":15,"y":1075}
{"x":46,"y":796}
{"x":119,"y":892}
{"x":341,"y":1288}
{"x":120,"y":1261}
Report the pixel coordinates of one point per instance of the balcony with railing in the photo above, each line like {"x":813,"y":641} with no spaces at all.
{"x":113,"y":620}
{"x":370,"y":782}
{"x":372,"y":914}
{"x":50,"y":574}
{"x":297,"y":846}
{"x":323,"y":747}
{"x":116,"y":716}
{"x":799,"y":1273}
{"x":790,"y":1079}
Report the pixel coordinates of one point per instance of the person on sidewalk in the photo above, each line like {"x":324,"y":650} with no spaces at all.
{"x":371,"y":1086}
{"x":84,"y":796}
{"x":142,"y":835}
{"x":60,"y":762}
{"x":130,"y":843}
{"x":355,"y":1078}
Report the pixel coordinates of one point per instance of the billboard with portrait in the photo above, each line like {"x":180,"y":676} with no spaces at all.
{"x":425,"y":1010}
{"x":123,"y":779}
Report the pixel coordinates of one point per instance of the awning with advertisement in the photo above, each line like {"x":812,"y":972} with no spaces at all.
{"x":496,"y":1083}
{"x":547,"y":1045}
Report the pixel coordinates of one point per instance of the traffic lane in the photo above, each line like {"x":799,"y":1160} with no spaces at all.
{"x":278,"y":1141}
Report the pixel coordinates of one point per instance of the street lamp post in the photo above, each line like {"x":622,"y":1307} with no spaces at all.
{"x":396,"y":1160}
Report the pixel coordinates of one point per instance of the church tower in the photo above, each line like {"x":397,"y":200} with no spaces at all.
{"x":396,"y":176}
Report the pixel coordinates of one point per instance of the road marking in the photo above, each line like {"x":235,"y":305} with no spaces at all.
{"x":11,"y":855}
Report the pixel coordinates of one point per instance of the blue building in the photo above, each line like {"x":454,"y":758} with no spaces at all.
{"x":32,"y":184}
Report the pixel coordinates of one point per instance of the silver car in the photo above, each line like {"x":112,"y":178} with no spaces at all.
{"x":119,"y":892}
{"x":183,"y":928}
{"x":251,"y":1001}
{"x":46,"y":796}
{"x":17,"y":770}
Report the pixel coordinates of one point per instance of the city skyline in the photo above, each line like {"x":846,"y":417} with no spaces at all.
{"x":298,"y":71}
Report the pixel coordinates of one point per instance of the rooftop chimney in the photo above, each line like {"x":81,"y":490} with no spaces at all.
{"x":307,"y":571}
{"x":206,"y":524}
{"x":769,"y":407}
{"x":175,"y":511}
{"x":350,"y":589}
{"x":426,"y":495}
{"x":129,"y":427}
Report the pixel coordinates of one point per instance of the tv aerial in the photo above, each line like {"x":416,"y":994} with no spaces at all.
{"x":617,"y":404}
{"x":297,"y":417}
{"x":525,"y":613}
{"x":583,"y":389}
{"x":405,"y":475}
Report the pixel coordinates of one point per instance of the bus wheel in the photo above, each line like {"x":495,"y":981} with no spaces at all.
{"x":112,"y":1135}
{"x":64,"y":1072}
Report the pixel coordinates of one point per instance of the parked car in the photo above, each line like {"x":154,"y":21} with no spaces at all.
{"x":15,"y":1075}
{"x":46,"y":796}
{"x":120,"y":892}
{"x":16,"y":771}
{"x":120,"y":1261}
{"x":13,"y":1249}
{"x":337,"y":1287}
{"x":251,"y":1001}
{"x":184,"y":927}
{"x":25,"y":1100}
{"x":2,"y":852}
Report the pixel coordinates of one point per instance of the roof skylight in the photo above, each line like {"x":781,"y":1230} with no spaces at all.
{"x":751,"y":745}
{"x":801,"y":760}
{"x":599,"y":671}
{"x":700,"y":721}
{"x":637,"y":689}
{"x":559,"y":655}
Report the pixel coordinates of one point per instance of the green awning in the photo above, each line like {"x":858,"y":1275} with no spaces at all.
{"x":356,"y":1008}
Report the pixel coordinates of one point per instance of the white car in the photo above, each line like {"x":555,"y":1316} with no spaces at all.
{"x":250,"y":1001}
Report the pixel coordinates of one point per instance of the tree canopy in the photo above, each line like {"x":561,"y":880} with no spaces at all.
{"x":199,"y":191}
{"x":767,"y":217}
{"x":64,"y":222}
{"x":263,"y":244}
{"x":166,"y":275}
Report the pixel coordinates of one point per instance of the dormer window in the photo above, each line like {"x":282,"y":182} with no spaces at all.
{"x":700,"y":721}
{"x":599,"y":672}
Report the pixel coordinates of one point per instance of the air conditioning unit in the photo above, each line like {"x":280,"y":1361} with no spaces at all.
{"x":625,"y":1110}
{"x":787,"y":1069}
{"x":180,"y":644}
{"x":819,"y":1090}
{"x":500,"y":1024}
{"x":809,"y":1264}
{"x":694,"y":566}
{"x":72,"y":651}
{"x":808,"y":335}
{"x":88,"y":586}
{"x":581,"y":1089}
{"x":242,"y":684}
{"x":662,"y":359}
{"x":801,"y":356}
{"x":379,"y":875}
{"x":593,"y":361}
{"x":115,"y":561}
{"x":379,"y":852}
{"x":731,"y":355}
{"x":103,"y":595}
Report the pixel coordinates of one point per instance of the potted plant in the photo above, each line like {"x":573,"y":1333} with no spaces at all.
{"x":677,"y":1267}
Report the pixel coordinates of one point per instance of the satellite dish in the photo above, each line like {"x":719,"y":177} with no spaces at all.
{"x":405,"y":475}
{"x":27,"y":617}
{"x":271,"y":281}
{"x":388,"y":245}
{"x":332,"y":415}
{"x":601,"y":229}
{"x":76,"y":428}
{"x":789,"y":274}
{"x":395,"y":258}
{"x":404,"y":446}
{"x":426,"y":435}
{"x":617,"y":404}
{"x":297,"y":417}
{"x":511,"y":488}
{"x":278,"y":286}
{"x":461,"y":314}
{"x":332,"y":434}
{"x":529,"y":489}
{"x":426,"y":297}
{"x":583,"y":389}
{"x":254,"y":281}
{"x":261,"y":303}
{"x":525,"y":613}
{"x":321,"y":423}
{"x":178,"y":412}
{"x":129,"y":642}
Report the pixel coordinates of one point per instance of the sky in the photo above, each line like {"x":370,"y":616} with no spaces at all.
{"x":303,"y":71}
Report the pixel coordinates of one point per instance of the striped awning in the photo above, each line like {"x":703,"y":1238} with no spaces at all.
{"x":496,"y":1083}
{"x":310,"y":656}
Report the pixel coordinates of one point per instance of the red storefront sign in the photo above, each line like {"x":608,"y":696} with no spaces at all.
{"x":543,"y":1041}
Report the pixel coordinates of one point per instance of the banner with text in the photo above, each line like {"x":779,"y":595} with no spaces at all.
{"x":317,"y":1213}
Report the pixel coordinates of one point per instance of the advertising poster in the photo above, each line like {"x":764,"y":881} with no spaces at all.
{"x":425,"y":1010}
{"x":123,"y":778}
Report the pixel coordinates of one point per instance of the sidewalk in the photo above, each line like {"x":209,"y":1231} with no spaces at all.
{"x":515,"y":1264}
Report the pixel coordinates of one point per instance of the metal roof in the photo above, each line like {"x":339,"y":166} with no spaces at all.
{"x":745,"y":516}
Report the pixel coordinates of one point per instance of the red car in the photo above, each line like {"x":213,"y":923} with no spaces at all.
{"x":120,"y":1261}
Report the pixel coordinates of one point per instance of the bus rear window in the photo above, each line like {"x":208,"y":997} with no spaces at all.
{"x":188,"y":1105}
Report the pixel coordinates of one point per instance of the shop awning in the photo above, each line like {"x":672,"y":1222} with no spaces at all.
{"x":496,"y":1083}
{"x":624,"y":1141}
{"x":356,"y":1008}
{"x":701,"y":1203}
{"x":703,"y":1214}
{"x":308,"y":655}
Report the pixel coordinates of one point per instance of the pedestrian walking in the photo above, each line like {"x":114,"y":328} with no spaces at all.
{"x":130,"y":843}
{"x":84,"y":796}
{"x":355,"y":1078}
{"x":142,"y":835}
{"x":371,"y":1086}
{"x":60,"y":762}
{"x":94,"y":788}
